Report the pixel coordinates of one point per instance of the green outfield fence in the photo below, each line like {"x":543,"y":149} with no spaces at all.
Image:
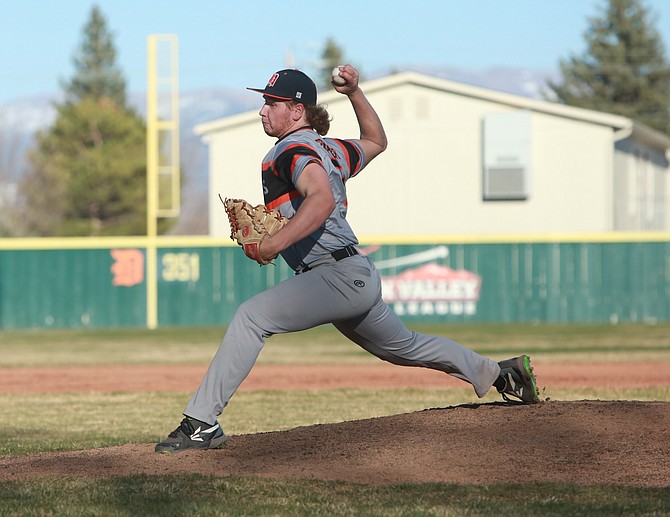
{"x":106,"y":282}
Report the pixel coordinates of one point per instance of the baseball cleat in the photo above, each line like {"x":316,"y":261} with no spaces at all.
{"x":193,"y":434}
{"x":519,"y":380}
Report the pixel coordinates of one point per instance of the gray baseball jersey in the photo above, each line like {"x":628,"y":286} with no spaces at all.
{"x":283,"y":165}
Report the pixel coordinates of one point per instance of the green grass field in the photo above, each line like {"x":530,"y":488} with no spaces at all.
{"x":75,"y":421}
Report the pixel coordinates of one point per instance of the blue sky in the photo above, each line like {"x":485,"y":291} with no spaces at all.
{"x":238,"y":44}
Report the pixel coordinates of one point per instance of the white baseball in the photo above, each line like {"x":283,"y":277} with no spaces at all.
{"x":336,"y":77}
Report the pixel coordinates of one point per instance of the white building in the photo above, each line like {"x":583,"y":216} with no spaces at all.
{"x":464,"y":160}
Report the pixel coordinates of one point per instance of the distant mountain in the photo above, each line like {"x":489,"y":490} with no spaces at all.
{"x":22,"y":118}
{"x":517,"y":81}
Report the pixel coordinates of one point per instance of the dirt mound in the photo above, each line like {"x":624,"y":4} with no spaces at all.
{"x":582,"y":442}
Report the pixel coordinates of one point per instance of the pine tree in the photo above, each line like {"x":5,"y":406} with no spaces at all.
{"x":96,"y":73}
{"x":624,"y":69}
{"x":331,"y":57}
{"x":89,"y":168}
{"x":89,"y":172}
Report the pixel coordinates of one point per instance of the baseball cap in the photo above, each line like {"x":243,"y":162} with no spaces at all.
{"x":290,"y":85}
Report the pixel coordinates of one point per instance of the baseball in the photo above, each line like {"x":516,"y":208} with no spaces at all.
{"x":336,"y":76}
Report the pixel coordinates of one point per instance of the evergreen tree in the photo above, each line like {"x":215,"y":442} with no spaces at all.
{"x":331,"y":56}
{"x":96,"y":74}
{"x":624,"y":69}
{"x":89,"y":168}
{"x":89,"y":172}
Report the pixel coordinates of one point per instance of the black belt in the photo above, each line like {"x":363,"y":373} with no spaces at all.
{"x":342,"y":253}
{"x":347,"y":251}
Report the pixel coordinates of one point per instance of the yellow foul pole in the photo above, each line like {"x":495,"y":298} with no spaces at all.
{"x":163,"y":186}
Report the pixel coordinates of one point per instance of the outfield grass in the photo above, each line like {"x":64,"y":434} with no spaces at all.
{"x":324,"y":345}
{"x":244,"y":496}
{"x":54,"y":422}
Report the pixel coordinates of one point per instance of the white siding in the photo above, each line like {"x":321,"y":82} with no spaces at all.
{"x":640,"y":188}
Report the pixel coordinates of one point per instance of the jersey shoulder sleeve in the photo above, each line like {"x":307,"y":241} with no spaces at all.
{"x":352,"y":154}
{"x":292,"y":158}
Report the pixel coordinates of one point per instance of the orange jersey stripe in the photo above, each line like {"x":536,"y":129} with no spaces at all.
{"x":283,"y":199}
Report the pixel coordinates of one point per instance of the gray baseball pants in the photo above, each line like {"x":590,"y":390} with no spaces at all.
{"x":348,"y":295}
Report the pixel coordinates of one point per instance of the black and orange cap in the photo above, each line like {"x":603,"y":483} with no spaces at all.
{"x":290,"y":85}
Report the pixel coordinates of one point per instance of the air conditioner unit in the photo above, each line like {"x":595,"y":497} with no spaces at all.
{"x":506,"y":155}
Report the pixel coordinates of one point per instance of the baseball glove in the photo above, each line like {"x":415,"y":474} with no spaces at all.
{"x":250,"y":224}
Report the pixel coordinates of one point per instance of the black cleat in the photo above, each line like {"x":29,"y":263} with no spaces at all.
{"x":193,"y":434}
{"x":519,"y":380}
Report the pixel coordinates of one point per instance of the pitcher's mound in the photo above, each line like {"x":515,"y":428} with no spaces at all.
{"x":582,"y":442}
